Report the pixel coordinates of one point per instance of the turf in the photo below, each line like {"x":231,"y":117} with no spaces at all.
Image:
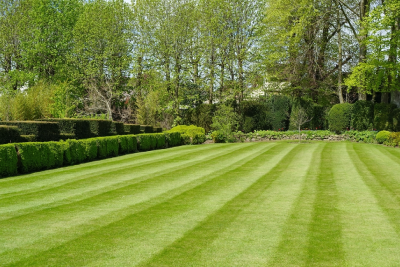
{"x":252,"y":204}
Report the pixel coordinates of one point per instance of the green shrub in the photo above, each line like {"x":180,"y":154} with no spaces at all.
{"x":172,"y":138}
{"x":362,"y":136}
{"x":118,"y":128}
{"x":339,"y":117}
{"x":202,"y":116}
{"x":396,"y":119}
{"x":132,"y":128}
{"x":146,"y":142}
{"x":44,"y":131}
{"x":160,"y":138}
{"x":218,"y":137}
{"x":146,"y":128}
{"x":196,"y":135}
{"x":382,"y":137}
{"x":157,"y":129}
{"x":383,"y":116}
{"x":75,"y":152}
{"x":91,"y":148}
{"x":124,"y":144}
{"x":9,"y":134}
{"x":279,"y":108}
{"x":28,"y":138}
{"x":112,"y":146}
{"x":393,"y":140}
{"x":73,"y":128}
{"x":102,"y":147}
{"x":40,"y":156}
{"x":362,"y":116}
{"x":104,"y":128}
{"x":8,"y":160}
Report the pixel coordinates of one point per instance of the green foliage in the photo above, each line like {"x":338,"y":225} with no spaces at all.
{"x":218,"y":137}
{"x":190,"y":134}
{"x":383,"y":116}
{"x":117,"y":128}
{"x":362,"y":136}
{"x":127,"y":144}
{"x":225,"y":121}
{"x":382,"y":137}
{"x":157,"y":129}
{"x":79,"y":128}
{"x":91,"y":148}
{"x":362,"y":115}
{"x":40,"y":156}
{"x":44,"y":131}
{"x":8,"y":160}
{"x":160,"y":139}
{"x":132,"y":128}
{"x":396,"y":119}
{"x":279,"y":112}
{"x":256,"y":115}
{"x":173,"y":138}
{"x":147,"y":142}
{"x":339,"y":117}
{"x":202,"y":116}
{"x":147,"y":128}
{"x":75,"y":152}
{"x":393,"y":140}
{"x":9,"y":134}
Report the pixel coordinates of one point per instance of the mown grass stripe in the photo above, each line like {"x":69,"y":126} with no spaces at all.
{"x":90,"y":183}
{"x":368,"y":236}
{"x":251,"y":239}
{"x":325,"y":231}
{"x":292,"y":248}
{"x":150,"y":229}
{"x":127,"y":210}
{"x":186,"y":249}
{"x":111,"y":196}
{"x":381,"y":185}
{"x":20,"y":184}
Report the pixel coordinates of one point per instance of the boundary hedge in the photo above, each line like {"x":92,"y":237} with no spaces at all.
{"x":35,"y":156}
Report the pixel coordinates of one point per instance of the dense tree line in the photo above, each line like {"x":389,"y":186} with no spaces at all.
{"x":148,"y":60}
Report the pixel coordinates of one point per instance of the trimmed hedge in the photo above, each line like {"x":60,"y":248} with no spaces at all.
{"x":36,"y":156}
{"x":339,"y":117}
{"x":147,"y":142}
{"x":73,"y":128}
{"x":40,"y":156}
{"x":132,"y":128}
{"x":43,"y":130}
{"x":173,"y":138}
{"x":146,"y":128}
{"x":8,"y":160}
{"x":190,"y":134}
{"x":9,"y":134}
{"x":157,"y":129}
{"x":383,"y":116}
{"x":362,"y":116}
{"x":117,"y":128}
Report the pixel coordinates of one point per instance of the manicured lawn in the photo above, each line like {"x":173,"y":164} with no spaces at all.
{"x":252,"y":204}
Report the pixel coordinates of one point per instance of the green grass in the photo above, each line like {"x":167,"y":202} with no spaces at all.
{"x":252,"y":204}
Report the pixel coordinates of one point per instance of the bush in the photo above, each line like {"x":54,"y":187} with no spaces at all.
{"x":117,"y":128}
{"x":279,"y":110}
{"x":104,"y":127}
{"x":362,"y":136}
{"x":172,"y":138}
{"x":9,"y":134}
{"x":127,"y":144}
{"x":132,"y":128}
{"x":91,"y":148}
{"x":146,"y":142}
{"x":40,"y":156}
{"x":196,"y":135}
{"x":75,"y":152}
{"x":202,"y":116}
{"x":160,"y":138}
{"x":362,"y":116}
{"x":44,"y":131}
{"x":382,"y":137}
{"x":76,"y":128}
{"x":8,"y":160}
{"x":339,"y":117}
{"x":218,"y":137}
{"x":146,"y":128}
{"x":383,"y":116}
{"x":157,"y":129}
{"x":396,"y":119}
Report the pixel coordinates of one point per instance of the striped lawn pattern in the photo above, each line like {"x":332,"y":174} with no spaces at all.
{"x":251,"y":204}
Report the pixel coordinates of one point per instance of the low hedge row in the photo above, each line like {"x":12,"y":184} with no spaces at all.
{"x":9,"y":134}
{"x":43,"y":130}
{"x":132,"y":128}
{"x":36,"y":156}
{"x":190,"y":134}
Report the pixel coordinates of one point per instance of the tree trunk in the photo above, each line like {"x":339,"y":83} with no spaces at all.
{"x":364,"y":9}
{"x":340,"y":57}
